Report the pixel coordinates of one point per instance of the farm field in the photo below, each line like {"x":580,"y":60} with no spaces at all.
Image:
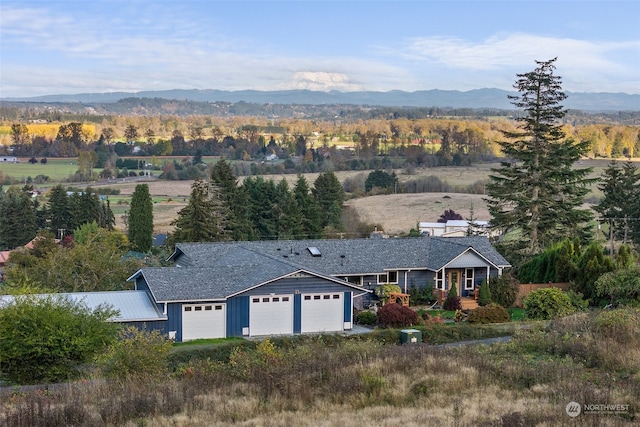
{"x":396,"y":213}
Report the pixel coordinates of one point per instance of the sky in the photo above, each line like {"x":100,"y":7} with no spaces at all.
{"x":98,"y":46}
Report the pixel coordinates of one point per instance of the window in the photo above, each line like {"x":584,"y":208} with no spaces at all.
{"x":383,"y":278}
{"x":266,"y":299}
{"x":393,"y":277}
{"x":468,"y":278}
{"x":218,"y":307}
{"x":275,"y":299}
{"x":336,"y":296}
{"x":439,"y":279}
{"x":326,"y":296}
{"x":285,"y":299}
{"x":307,"y":297}
{"x":198,"y":308}
{"x":187,"y":309}
{"x":256,"y":300}
{"x":315,"y":252}
{"x":207,"y":308}
{"x":316,"y":297}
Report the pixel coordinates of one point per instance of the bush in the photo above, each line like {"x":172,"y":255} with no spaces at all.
{"x":422,"y":296}
{"x":620,"y":287}
{"x":484,"y":295}
{"x":366,"y":317}
{"x":396,"y":316}
{"x":577,"y":300}
{"x":547,"y":303}
{"x":504,"y":290}
{"x":141,"y":354}
{"x":49,"y":338}
{"x":383,"y":291}
{"x":492,"y":313}
{"x":452,"y":303}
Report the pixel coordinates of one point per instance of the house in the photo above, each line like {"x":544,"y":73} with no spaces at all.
{"x":9,"y":159}
{"x":279,"y":287}
{"x":454,"y":228}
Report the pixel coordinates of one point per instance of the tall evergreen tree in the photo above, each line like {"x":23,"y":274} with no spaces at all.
{"x":536,"y":190}
{"x":287,"y":213}
{"x":58,"y":211}
{"x":140,"y":219}
{"x":235,"y":201}
{"x":311,"y":215}
{"x":17,"y":218}
{"x":202,"y":220}
{"x":620,"y":206}
{"x":261,"y":196}
{"x":329,"y":195}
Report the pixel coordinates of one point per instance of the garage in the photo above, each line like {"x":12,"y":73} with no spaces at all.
{"x":323,"y":312}
{"x":271,"y":315}
{"x":203,"y":321}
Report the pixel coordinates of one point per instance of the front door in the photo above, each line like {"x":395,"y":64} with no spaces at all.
{"x":454,"y":278}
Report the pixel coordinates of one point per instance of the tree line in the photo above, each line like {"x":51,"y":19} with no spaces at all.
{"x":220,"y":208}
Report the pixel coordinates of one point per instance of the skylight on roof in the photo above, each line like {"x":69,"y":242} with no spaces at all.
{"x":314,"y":251}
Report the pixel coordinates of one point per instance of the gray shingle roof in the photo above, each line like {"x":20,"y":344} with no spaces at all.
{"x":348,"y":256}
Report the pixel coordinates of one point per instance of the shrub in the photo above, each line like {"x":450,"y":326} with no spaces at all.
{"x":452,"y":303}
{"x":49,"y":338}
{"x":504,"y":290}
{"x":484,"y":294}
{"x":492,"y":313}
{"x":396,"y":316}
{"x":383,"y":291}
{"x":577,"y":300}
{"x":384,"y":336}
{"x":141,"y":354}
{"x":547,"y":303}
{"x":366,"y":317}
{"x":422,"y":296}
{"x":620,"y":287}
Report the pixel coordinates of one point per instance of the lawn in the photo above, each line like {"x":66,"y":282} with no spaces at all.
{"x":56,"y":169}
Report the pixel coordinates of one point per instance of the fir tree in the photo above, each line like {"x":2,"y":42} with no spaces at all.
{"x":202,"y":220}
{"x":484,"y":295}
{"x":17,"y":218}
{"x":234,"y":200}
{"x":329,"y":195}
{"x":536,"y":191}
{"x":140,"y":219}
{"x":311,"y":215}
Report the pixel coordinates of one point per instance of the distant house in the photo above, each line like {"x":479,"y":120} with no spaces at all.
{"x":454,"y":228}
{"x":9,"y":159}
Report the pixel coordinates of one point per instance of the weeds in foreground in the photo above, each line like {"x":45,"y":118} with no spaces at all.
{"x":329,"y":381}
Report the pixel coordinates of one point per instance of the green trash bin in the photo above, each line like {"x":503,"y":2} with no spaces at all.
{"x":410,"y":336}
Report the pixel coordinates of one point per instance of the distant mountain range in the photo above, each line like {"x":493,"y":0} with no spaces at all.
{"x":479,"y":98}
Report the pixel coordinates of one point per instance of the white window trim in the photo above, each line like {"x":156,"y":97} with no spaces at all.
{"x":389,"y":278}
{"x":382,"y":278}
{"x":439,"y":279}
{"x":468,"y":279}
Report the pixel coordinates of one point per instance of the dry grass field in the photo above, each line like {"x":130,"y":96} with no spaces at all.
{"x":396,"y":213}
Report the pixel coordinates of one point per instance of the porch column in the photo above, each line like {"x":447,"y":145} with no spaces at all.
{"x":488,"y":272}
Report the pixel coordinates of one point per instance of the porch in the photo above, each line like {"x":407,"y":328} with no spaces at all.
{"x":467,"y":303}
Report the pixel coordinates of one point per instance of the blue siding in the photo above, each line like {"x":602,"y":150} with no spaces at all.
{"x":141,"y":284}
{"x":174,"y":313}
{"x":297,"y":313}
{"x":348,"y":312}
{"x":237,"y":315}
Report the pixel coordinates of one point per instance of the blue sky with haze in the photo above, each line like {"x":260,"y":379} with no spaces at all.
{"x":74,"y":46}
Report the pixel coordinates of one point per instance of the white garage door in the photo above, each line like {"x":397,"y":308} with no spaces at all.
{"x":323,"y":312}
{"x":203,"y":321}
{"x":271,"y":315}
